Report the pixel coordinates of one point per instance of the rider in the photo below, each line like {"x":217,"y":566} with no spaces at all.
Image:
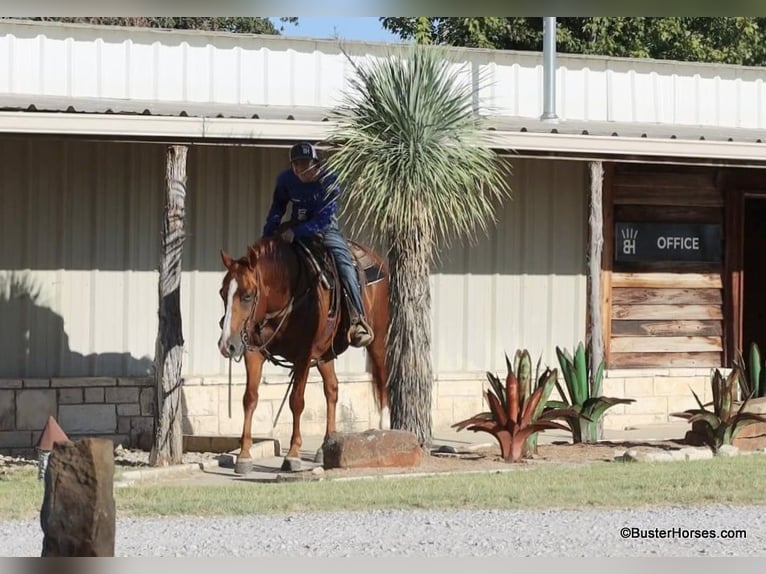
{"x":314,"y":191}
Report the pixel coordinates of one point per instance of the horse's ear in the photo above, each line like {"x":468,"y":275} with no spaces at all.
{"x":226,"y":258}
{"x":252,"y":256}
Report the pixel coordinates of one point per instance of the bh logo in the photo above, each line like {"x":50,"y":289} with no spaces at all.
{"x":629,"y":236}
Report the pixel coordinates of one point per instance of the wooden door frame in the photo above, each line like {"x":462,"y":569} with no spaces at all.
{"x":736,"y":199}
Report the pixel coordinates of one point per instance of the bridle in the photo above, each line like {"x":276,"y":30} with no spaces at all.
{"x":282,"y":314}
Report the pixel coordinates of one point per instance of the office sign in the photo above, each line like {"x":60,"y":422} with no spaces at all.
{"x":640,"y":241}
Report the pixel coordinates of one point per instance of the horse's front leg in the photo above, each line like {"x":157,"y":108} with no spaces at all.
{"x":330,"y":382}
{"x":254,"y":368}
{"x":292,"y":461}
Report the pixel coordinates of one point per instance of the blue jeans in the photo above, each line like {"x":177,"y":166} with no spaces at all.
{"x":336,"y":244}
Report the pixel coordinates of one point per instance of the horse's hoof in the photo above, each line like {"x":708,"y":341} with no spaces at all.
{"x":291,"y":464}
{"x":243,"y":466}
{"x":319,"y":456}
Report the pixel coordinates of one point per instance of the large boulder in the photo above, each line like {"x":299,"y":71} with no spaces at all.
{"x":372,"y":448}
{"x":78,"y":513}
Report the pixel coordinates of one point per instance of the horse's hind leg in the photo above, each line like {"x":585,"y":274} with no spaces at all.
{"x":254,"y":367}
{"x":330,"y":382}
{"x":300,"y":375}
{"x":377,"y":353}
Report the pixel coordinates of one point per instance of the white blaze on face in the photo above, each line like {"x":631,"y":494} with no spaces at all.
{"x":226,"y":329}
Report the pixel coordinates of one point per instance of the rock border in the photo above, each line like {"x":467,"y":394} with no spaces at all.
{"x":683,"y":454}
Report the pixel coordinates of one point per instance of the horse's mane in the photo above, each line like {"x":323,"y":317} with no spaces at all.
{"x":273,"y":253}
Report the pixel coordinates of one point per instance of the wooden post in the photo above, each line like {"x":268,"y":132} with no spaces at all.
{"x":168,"y":438}
{"x":596,"y":244}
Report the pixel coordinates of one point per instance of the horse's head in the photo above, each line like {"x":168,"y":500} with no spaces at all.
{"x":240,"y":292}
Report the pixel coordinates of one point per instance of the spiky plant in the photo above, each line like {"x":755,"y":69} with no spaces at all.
{"x":417,"y":172}
{"x":583,"y":394}
{"x":721,"y":425}
{"x":515,"y":416}
{"x":752,"y":376}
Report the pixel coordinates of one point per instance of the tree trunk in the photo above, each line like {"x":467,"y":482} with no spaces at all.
{"x":595,"y":430}
{"x":168,"y":438}
{"x":408,"y":351}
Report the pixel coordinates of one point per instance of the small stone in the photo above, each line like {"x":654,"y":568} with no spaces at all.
{"x":317,"y":471}
{"x":697,"y":453}
{"x":633,"y":455}
{"x":728,"y":450}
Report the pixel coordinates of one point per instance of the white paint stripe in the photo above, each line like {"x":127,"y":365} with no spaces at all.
{"x":226,"y":329}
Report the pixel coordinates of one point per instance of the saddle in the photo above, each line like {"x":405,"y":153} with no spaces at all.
{"x":319,"y":260}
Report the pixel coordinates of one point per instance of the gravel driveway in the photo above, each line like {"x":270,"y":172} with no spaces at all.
{"x":551,"y":533}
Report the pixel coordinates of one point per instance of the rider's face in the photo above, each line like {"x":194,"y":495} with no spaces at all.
{"x":305,"y":169}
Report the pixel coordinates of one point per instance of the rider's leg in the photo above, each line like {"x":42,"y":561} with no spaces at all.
{"x":361,"y":333}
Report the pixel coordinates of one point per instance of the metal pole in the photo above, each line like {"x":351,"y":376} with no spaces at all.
{"x":549,"y":69}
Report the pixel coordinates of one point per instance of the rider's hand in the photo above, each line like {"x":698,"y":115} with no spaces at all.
{"x":287,"y":235}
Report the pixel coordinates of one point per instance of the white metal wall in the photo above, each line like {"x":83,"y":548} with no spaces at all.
{"x":184,"y":66}
{"x":80,"y":230}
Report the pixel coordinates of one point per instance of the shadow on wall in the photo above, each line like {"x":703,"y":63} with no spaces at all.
{"x":35,"y":344}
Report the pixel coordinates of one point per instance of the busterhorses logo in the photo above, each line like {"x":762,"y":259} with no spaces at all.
{"x":629,"y":236}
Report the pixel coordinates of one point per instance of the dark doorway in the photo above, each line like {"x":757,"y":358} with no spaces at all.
{"x":754,"y":274}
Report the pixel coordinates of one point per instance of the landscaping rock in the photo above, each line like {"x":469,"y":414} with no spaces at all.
{"x":372,"y":448}
{"x":691,"y":453}
{"x":752,"y":437}
{"x":78,"y":512}
{"x":728,"y":450}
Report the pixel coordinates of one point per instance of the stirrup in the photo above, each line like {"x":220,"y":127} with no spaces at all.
{"x":360,"y":334}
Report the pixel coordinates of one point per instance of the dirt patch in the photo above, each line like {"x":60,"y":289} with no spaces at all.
{"x":489,"y":459}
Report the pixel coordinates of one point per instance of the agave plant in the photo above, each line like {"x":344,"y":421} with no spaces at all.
{"x":515,"y":413}
{"x":721,"y":425}
{"x":752,"y":376}
{"x":583,"y":397}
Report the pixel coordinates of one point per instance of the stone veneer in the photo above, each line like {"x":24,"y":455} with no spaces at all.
{"x":123,"y":408}
{"x":658,"y":392}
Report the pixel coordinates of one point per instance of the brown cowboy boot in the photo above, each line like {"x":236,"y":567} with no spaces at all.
{"x":360,"y":334}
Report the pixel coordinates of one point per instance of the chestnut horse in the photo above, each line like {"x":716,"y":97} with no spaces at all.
{"x":276,"y":306}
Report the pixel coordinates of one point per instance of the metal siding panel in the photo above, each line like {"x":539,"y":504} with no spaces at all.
{"x":705,"y":102}
{"x":281,"y":77}
{"x":224,"y":75}
{"x":170,"y":72}
{"x":113,"y":78}
{"x":53,"y":66}
{"x":252,"y":73}
{"x":596,"y":94}
{"x":6,"y":62}
{"x":140,"y":71}
{"x":85,"y":69}
{"x":523,"y":286}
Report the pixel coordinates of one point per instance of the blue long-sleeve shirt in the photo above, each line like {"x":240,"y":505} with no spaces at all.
{"x":315,"y":204}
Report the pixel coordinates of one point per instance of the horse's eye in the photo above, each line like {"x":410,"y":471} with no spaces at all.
{"x":247,"y":297}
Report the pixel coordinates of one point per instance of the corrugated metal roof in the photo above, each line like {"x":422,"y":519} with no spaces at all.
{"x":315,"y":114}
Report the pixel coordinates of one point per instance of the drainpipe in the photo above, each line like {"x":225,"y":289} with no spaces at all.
{"x":549,"y":70}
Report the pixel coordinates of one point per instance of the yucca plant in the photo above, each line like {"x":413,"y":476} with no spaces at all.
{"x":418,"y":174}
{"x":721,"y":425}
{"x":583,"y":396}
{"x":752,"y":376}
{"x":516,"y":413}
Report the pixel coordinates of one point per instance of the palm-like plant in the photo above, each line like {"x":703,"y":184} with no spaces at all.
{"x":409,"y":151}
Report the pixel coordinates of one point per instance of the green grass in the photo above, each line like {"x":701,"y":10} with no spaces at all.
{"x":721,"y":480}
